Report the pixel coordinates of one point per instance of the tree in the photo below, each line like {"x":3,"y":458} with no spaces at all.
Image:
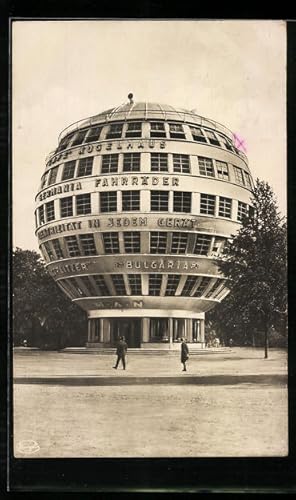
{"x":42,"y":314}
{"x":255,"y":263}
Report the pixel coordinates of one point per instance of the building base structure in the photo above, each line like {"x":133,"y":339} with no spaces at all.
{"x":149,"y":332}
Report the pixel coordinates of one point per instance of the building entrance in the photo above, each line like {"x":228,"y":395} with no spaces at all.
{"x":130,"y":328}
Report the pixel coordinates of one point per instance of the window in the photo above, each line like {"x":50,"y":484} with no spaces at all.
{"x":202,"y":244}
{"x":66,"y":206}
{"x":181,"y":164}
{"x":115,"y":131}
{"x":72,"y":245}
{"x":182,"y":201}
{"x":207,"y":204}
{"x":57,"y":248}
{"x":239,"y":175}
{"x":222,"y":170}
{"x":225,"y":207}
{"x":118,"y":283}
{"x":218,"y":246}
{"x":179,"y":242}
{"x":131,"y":162}
{"x":158,"y":242}
{"x":212,"y":138}
{"x":88,"y":285}
{"x":102,"y":288}
{"x":197,"y":134}
{"x":64,"y":143}
{"x":79,"y":138}
{"x":176,"y":131}
{"x":157,"y":129}
{"x":49,"y":209}
{"x":227,"y":143}
{"x":130,"y":200}
{"x":85,"y":166}
{"x":135,"y":284}
{"x":134,"y":129}
{"x":242,"y":210}
{"x":132,"y":242}
{"x":77,"y":285}
{"x":44,"y":180}
{"x":108,"y":201}
{"x":111,"y":242}
{"x":159,"y":201}
{"x":93,"y":134}
{"x":159,"y":162}
{"x":202,"y":287}
{"x":248,"y":180}
{"x":206,"y":166}
{"x":88,"y":244}
{"x":69,"y":169}
{"x":53,"y":175}
{"x":67,"y":288}
{"x":251,"y":212}
{"x":41,"y":215}
{"x":188,"y":287}
{"x":172,"y":284}
{"x":109,"y":164}
{"x":83,"y":205}
{"x":211,"y":292}
{"x":49,"y":251}
{"x":155,"y":281}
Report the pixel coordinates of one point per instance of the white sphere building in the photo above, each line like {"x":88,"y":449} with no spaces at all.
{"x":134,"y":206}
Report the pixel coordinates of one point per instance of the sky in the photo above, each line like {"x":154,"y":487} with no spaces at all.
{"x":233,"y":72}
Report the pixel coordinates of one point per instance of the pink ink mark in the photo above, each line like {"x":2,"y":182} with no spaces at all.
{"x":239,"y":143}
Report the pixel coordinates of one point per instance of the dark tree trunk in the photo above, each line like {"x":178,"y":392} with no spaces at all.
{"x":266,"y":341}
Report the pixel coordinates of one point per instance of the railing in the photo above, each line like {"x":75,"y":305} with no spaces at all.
{"x":187,"y":116}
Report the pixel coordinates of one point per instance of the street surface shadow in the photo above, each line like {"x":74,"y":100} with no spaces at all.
{"x":274,"y":379}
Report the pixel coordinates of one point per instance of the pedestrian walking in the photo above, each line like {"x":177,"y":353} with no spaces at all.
{"x":184,"y":354}
{"x":121,"y":352}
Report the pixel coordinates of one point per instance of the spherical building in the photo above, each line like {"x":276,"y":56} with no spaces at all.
{"x":134,"y":207}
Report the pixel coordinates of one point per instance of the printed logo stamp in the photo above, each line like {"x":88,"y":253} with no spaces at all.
{"x":28,"y":446}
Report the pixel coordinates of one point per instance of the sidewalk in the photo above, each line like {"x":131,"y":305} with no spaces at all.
{"x":239,"y":365}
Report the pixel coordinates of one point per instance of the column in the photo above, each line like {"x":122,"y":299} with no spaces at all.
{"x":195,"y":208}
{"x":197,"y":330}
{"x":202,"y":330}
{"x":189,"y":330}
{"x":171,"y":330}
{"x":120,"y":163}
{"x":101,"y":337}
{"x":89,"y":330}
{"x":170,"y":163}
{"x":94,"y":203}
{"x":145,"y":200}
{"x":145,"y":329}
{"x":106,"y":331}
{"x":175,"y":323}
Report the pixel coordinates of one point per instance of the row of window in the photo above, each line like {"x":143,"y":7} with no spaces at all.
{"x":97,"y":285}
{"x":131,"y":201}
{"x":157,"y":129}
{"x":158,"y":163}
{"x":109,"y":243}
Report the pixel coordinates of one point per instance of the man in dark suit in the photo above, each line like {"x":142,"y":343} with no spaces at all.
{"x":121,"y":352}
{"x":184,"y":354}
